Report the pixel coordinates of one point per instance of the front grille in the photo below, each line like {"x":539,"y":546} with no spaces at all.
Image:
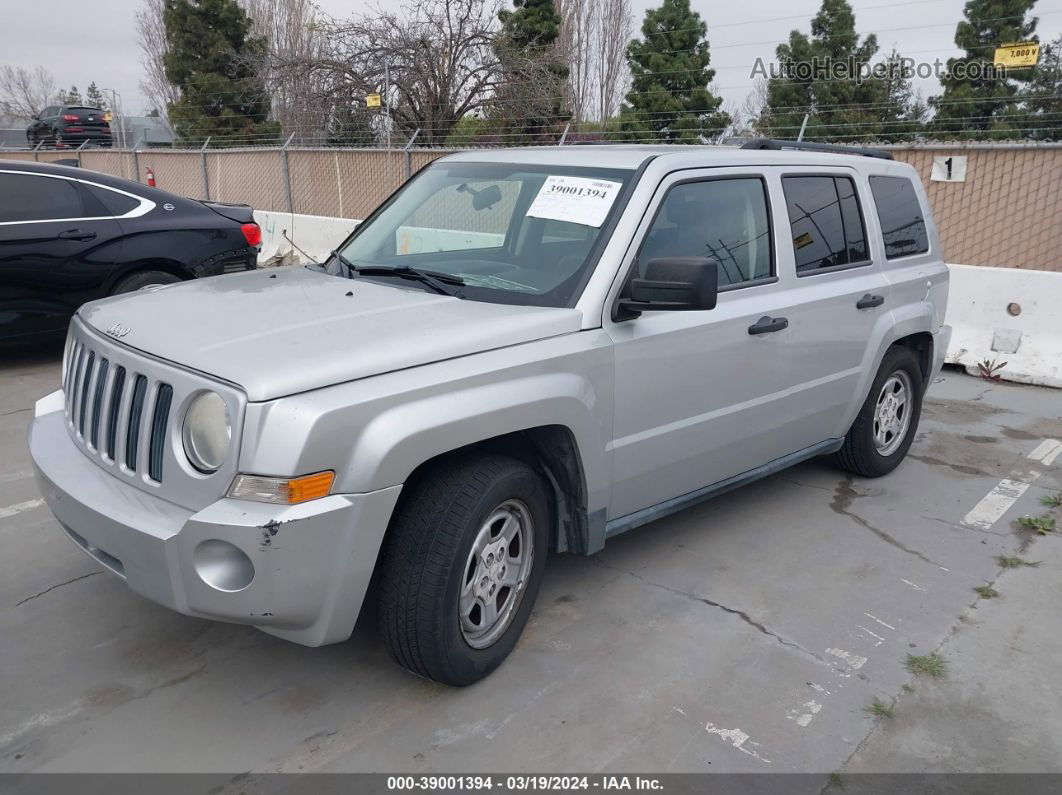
{"x":107,"y":409}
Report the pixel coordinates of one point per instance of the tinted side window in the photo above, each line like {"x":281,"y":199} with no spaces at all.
{"x":24,"y":197}
{"x":724,"y":218}
{"x":115,"y":203}
{"x":826,"y":222}
{"x":902,"y":223}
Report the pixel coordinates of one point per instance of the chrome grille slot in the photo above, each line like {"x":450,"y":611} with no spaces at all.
{"x":97,"y":401}
{"x":159,"y":419}
{"x":117,"y":393}
{"x":86,"y":386}
{"x":71,"y":404}
{"x":136,"y":410}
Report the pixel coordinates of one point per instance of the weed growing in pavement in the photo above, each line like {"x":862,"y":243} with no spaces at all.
{"x":927,"y":665}
{"x":835,"y":780}
{"x":986,"y":591}
{"x":879,"y":709}
{"x":1052,"y":500}
{"x":1015,"y":563}
{"x":1041,"y":524}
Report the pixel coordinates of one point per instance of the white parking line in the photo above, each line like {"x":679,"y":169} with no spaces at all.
{"x":998,"y":501}
{"x":19,"y":507}
{"x":1047,"y":451}
{"x":994,"y":504}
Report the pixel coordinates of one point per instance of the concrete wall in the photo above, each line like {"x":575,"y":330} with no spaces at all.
{"x":291,"y":238}
{"x":1010,"y":320}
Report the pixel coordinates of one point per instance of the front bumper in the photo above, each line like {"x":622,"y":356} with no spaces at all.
{"x":311,"y":562}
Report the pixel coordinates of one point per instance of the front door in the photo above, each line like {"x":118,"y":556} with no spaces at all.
{"x":703,"y":397}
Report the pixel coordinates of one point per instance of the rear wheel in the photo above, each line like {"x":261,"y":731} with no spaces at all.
{"x":886,"y":424}
{"x":142,"y":280}
{"x":462,"y":566}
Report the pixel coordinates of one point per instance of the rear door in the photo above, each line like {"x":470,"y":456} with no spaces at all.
{"x":57,"y":247}
{"x":840,"y":292}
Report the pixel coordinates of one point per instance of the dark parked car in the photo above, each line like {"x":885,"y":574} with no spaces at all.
{"x":68,"y":236}
{"x":70,"y":125}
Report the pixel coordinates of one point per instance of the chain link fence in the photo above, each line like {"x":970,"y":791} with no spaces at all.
{"x":1005,"y":212}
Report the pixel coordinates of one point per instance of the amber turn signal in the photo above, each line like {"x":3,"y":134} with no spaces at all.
{"x":283,"y":491}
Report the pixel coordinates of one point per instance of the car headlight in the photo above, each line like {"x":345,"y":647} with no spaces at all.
{"x":207,"y":432}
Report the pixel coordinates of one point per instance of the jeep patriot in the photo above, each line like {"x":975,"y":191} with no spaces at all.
{"x":521,"y":352}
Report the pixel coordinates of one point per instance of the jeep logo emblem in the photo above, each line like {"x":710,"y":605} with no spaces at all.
{"x":118,"y":331}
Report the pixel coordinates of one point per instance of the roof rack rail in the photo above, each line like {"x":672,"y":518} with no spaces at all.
{"x":775,"y":143}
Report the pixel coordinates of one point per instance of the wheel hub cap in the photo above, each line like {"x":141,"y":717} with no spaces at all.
{"x":892,"y":413}
{"x":495,"y":574}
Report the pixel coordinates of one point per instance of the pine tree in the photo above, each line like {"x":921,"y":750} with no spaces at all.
{"x":670,"y":98}
{"x":529,"y":99}
{"x":210,"y":58}
{"x":1042,"y":99}
{"x":72,"y":97}
{"x":979,"y":100}
{"x":831,"y":76}
{"x":94,"y":97}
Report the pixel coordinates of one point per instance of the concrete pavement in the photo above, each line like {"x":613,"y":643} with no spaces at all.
{"x":746,"y":634}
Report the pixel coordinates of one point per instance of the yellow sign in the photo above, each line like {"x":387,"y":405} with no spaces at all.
{"x":803,"y":240}
{"x":1020,"y":54}
{"x":372,"y":101}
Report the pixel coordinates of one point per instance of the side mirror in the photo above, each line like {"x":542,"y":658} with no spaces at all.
{"x":673,"y":284}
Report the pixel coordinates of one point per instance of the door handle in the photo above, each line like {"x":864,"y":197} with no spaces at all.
{"x":76,"y":234}
{"x":868,"y":301}
{"x":768,"y":324}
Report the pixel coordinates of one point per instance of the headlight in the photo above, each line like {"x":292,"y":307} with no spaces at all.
{"x":207,"y":432}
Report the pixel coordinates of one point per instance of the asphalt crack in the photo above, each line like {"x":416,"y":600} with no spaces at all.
{"x":843,"y":497}
{"x":757,"y":625}
{"x":60,"y":585}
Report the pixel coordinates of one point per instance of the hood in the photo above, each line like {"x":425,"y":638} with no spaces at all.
{"x":290,"y":330}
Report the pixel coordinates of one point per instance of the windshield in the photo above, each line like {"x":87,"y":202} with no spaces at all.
{"x":512,"y":233}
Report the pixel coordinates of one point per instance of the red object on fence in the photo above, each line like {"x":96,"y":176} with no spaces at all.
{"x":150,"y":178}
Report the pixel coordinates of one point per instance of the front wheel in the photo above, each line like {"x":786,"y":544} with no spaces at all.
{"x":462,"y":566}
{"x":886,"y":424}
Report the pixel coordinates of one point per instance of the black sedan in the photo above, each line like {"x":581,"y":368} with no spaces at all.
{"x":68,"y":236}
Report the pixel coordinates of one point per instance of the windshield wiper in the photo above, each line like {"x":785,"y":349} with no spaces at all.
{"x":442,"y":283}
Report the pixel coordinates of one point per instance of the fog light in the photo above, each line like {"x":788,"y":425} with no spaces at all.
{"x":222,"y":565}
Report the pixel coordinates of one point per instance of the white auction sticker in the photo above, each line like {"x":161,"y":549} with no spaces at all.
{"x":577,"y":200}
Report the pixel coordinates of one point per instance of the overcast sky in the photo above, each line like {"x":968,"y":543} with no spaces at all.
{"x":81,"y":42}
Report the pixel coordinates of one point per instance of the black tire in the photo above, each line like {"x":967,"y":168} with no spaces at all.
{"x":424,"y":565}
{"x":141,"y":279}
{"x":859,"y":454}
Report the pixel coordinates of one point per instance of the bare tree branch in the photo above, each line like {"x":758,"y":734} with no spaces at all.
{"x":151,"y":39}
{"x":24,"y":93}
{"x":436,"y":55}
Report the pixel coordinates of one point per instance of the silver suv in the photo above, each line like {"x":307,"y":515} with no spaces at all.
{"x":519,"y":353}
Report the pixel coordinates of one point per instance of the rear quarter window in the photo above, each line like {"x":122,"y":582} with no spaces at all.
{"x":113,"y":202}
{"x":903,"y":226}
